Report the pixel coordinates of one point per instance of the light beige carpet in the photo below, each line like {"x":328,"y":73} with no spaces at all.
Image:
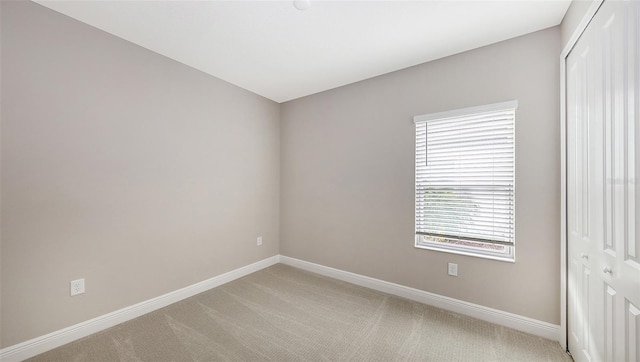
{"x":286,"y":314}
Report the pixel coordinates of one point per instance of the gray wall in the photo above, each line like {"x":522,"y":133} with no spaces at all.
{"x":572,"y":18}
{"x":123,"y":167}
{"x":347,"y":175}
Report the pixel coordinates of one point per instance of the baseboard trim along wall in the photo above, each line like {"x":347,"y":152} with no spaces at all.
{"x":517,"y":322}
{"x":58,"y":338}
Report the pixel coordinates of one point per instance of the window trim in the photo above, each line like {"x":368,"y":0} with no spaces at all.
{"x":466,"y":111}
{"x":509,"y":256}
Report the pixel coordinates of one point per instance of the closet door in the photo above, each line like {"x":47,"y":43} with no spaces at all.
{"x":603,"y":197}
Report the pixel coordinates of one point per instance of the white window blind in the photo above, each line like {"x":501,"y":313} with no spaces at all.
{"x":465,"y":176}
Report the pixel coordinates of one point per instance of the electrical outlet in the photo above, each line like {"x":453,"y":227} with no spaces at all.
{"x":259,"y":241}
{"x":453,"y":269}
{"x":77,"y":287}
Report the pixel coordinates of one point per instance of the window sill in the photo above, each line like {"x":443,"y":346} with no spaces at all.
{"x":454,"y":250}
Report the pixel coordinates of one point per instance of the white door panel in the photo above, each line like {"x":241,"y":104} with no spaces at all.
{"x":603,"y":159}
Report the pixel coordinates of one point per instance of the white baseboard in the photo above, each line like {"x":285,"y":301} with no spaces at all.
{"x":58,"y":338}
{"x":517,"y":322}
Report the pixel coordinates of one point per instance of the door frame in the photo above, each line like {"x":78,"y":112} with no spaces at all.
{"x":582,"y":26}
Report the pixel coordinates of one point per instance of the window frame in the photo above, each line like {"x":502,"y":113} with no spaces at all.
{"x":508,"y":254}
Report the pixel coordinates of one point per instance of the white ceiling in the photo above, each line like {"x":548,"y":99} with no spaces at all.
{"x":279,"y":52}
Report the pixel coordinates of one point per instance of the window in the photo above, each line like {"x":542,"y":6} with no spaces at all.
{"x":465,"y":181}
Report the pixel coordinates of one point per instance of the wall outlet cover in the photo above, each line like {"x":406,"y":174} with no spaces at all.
{"x":452,"y":269}
{"x":77,"y":287}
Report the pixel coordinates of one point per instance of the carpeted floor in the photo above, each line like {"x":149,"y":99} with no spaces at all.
{"x":286,"y":314}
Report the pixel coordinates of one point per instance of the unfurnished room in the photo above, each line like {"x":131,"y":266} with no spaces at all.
{"x":312,"y":180}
